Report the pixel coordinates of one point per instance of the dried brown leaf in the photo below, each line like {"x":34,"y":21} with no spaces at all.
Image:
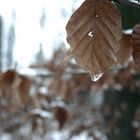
{"x":58,"y":87}
{"x":125,"y":51}
{"x":61,"y":115}
{"x":34,"y":125}
{"x":79,"y":129}
{"x":7,"y":78}
{"x":136,"y":44}
{"x":24,"y":88}
{"x":93,"y":32}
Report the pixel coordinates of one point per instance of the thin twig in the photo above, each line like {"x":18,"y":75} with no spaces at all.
{"x":133,"y":3}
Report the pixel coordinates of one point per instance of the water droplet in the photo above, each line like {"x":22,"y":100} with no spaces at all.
{"x":91,"y":33}
{"x":96,"y":77}
{"x":97,"y":16}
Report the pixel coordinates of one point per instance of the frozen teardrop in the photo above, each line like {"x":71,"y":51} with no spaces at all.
{"x":96,"y":77}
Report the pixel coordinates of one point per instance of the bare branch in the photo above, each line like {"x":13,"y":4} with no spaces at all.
{"x":133,"y":3}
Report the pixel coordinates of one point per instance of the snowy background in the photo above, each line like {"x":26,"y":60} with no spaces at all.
{"x":36,"y":22}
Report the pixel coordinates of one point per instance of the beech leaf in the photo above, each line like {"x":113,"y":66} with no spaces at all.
{"x":125,"y":51}
{"x":23,"y":89}
{"x":93,"y":32}
{"x":136,"y":44}
{"x":61,"y":115}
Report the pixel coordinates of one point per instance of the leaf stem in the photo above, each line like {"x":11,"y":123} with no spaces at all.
{"x":133,"y":3}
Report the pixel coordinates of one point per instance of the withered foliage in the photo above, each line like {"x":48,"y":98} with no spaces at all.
{"x":136,"y":44}
{"x":61,"y":115}
{"x":97,"y":41}
{"x":67,"y":99}
{"x":93,"y":32}
{"x":125,"y":51}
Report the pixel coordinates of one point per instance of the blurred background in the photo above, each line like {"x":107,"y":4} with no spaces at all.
{"x":32,"y":25}
{"x":44,"y":95}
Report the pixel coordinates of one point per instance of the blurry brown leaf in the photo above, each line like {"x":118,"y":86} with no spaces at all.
{"x":136,"y":44}
{"x":24,"y":88}
{"x":7,"y":78}
{"x":81,"y":82}
{"x":36,"y":101}
{"x":38,"y":124}
{"x":93,"y":33}
{"x":12,"y":127}
{"x":69,"y":91}
{"x":58,"y":62}
{"x":109,"y":79}
{"x":61,"y":115}
{"x":34,"y":125}
{"x":58,"y":87}
{"x":125,"y":51}
{"x":79,"y":129}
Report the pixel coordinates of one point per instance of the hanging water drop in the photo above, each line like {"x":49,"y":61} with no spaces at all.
{"x":96,"y":77}
{"x":91,"y":33}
